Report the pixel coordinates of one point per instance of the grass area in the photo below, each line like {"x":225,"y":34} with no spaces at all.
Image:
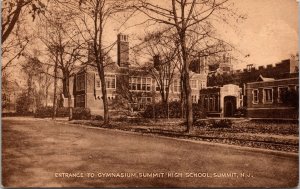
{"x":276,"y":135}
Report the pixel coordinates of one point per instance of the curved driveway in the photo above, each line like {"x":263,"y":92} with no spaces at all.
{"x":39,"y":153}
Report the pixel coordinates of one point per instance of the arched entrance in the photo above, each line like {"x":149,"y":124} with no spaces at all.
{"x":229,"y":106}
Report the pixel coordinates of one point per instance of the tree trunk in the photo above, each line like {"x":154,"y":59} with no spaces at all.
{"x":189,"y":104}
{"x":55,"y":85}
{"x":186,"y":85}
{"x":67,"y":93}
{"x":104,"y":94}
{"x":65,"y":82}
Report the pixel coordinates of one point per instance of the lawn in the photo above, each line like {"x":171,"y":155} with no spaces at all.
{"x":275,"y":135}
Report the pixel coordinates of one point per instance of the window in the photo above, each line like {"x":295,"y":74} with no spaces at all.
{"x":144,"y":84}
{"x":211,"y":104}
{"x":163,"y":85}
{"x":194,"y":98}
{"x":98,"y":83}
{"x":268,"y":95}
{"x":80,"y":81}
{"x":157,"y":87}
{"x":203,"y":84}
{"x":110,"y":81}
{"x":194,"y":84}
{"x":140,"y":84}
{"x":80,"y":101}
{"x":255,"y":96}
{"x":282,"y":93}
{"x":176,"y":86}
{"x":205,"y":103}
{"x":148,"y":84}
{"x":132,"y":83}
{"x":143,"y":102}
{"x":216,"y":99}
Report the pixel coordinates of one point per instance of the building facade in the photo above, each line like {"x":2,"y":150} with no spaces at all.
{"x":265,"y":92}
{"x":221,"y":101}
{"x":273,"y":98}
{"x":130,"y":88}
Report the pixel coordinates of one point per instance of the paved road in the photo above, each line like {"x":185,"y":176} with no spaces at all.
{"x":37,"y":153}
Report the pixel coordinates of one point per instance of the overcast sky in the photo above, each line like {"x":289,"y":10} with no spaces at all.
{"x":268,"y":35}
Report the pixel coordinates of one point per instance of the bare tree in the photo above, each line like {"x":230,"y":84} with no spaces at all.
{"x":64,"y":46}
{"x":192,"y":21}
{"x":93,"y":18}
{"x":14,"y":38}
{"x":161,"y":47}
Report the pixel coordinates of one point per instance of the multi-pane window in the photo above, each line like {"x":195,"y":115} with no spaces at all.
{"x":143,"y":102}
{"x":194,"y":84}
{"x":98,"y":83}
{"x":157,"y":87}
{"x":132,"y":83}
{"x":268,"y":95}
{"x":176,"y":86}
{"x":194,"y":98}
{"x":110,"y":81}
{"x":205,"y":104}
{"x":282,"y":93}
{"x":140,"y":84}
{"x":80,"y":81}
{"x":211,"y":104}
{"x":216,"y":100}
{"x":80,"y":101}
{"x":148,"y":84}
{"x":162,"y":85}
{"x":144,"y":84}
{"x":203,"y":84}
{"x":255,"y":96}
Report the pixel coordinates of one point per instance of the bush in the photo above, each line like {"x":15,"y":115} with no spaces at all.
{"x":161,"y":110}
{"x":62,"y":112}
{"x":198,"y":112}
{"x":47,"y":111}
{"x":223,"y":123}
{"x":199,"y":123}
{"x":81,"y":113}
{"x":175,"y":111}
{"x":23,"y":104}
{"x":97,"y":117}
{"x":43,"y":112}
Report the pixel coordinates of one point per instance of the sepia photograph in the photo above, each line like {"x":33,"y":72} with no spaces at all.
{"x":150,"y":93}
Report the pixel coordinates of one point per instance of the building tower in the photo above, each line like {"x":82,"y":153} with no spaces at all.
{"x":123,"y":50}
{"x":226,"y":65}
{"x":203,"y":64}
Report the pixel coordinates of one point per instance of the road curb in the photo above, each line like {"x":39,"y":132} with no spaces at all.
{"x":258,"y":150}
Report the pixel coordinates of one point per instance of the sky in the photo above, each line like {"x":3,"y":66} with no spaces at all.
{"x":270,"y":32}
{"x":268,"y":35}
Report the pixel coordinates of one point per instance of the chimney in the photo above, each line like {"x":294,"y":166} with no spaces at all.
{"x":156,"y":62}
{"x":123,"y":50}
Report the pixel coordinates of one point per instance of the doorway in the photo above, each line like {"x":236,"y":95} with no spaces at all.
{"x":229,"y":106}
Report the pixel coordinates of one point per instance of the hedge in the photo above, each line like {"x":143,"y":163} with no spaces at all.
{"x":81,"y":113}
{"x":175,"y":111}
{"x":47,"y":111}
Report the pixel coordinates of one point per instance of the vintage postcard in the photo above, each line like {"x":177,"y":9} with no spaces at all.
{"x":150,"y":93}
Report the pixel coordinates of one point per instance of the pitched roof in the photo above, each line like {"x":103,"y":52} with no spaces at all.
{"x":261,"y":78}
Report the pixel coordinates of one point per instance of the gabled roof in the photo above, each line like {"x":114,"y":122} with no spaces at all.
{"x":261,"y":78}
